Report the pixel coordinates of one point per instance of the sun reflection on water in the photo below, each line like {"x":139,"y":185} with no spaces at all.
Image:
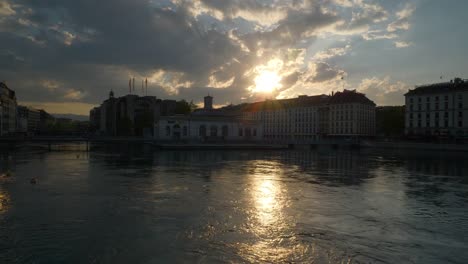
{"x":267,"y":220}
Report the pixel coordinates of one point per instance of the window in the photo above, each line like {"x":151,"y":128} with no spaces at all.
{"x":241,"y":132}
{"x":225,"y":131}
{"x":446,"y":105}
{"x":213,"y":131}
{"x":428,"y":106}
{"x":419,"y":99}
{"x":168,"y":130}
{"x":446,"y":123}
{"x":446,"y":114}
{"x":411,"y":100}
{"x":437,"y":98}
{"x":460,"y":114}
{"x":428,"y":99}
{"x":202,"y":131}
{"x":254,"y":132}
{"x":446,"y":98}
{"x":184,"y":131}
{"x":460,"y":123}
{"x":460,"y":105}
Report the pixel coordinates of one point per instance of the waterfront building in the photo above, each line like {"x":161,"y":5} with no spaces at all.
{"x":28,"y":120}
{"x":208,"y":125}
{"x":439,"y":109}
{"x":351,"y":114}
{"x":295,"y":118}
{"x":8,"y":111}
{"x":306,"y":118}
{"x":129,"y":115}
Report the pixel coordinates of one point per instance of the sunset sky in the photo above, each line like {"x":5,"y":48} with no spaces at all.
{"x":66,"y":55}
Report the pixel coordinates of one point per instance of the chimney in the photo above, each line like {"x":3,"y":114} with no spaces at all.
{"x":208,"y":102}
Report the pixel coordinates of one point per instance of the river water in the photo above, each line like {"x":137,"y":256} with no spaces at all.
{"x":134,"y":205}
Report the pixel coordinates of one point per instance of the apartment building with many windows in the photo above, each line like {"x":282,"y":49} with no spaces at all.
{"x":8,"y":110}
{"x":342,"y":114}
{"x":439,"y":109}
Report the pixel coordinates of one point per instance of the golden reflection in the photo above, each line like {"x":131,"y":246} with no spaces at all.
{"x":4,"y":201}
{"x":267,"y":221}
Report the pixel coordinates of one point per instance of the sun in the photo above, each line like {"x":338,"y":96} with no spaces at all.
{"x":266,"y":82}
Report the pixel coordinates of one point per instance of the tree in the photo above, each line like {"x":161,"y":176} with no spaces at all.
{"x":183,"y":107}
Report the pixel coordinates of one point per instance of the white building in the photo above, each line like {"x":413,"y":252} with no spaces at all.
{"x":207,"y":124}
{"x":439,"y":109}
{"x":342,"y":114}
{"x":351,"y":114}
{"x":8,"y":112}
{"x":296,"y":118}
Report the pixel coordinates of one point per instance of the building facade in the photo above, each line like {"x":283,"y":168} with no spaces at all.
{"x":439,"y":110}
{"x":129,"y":115}
{"x":308,"y":118}
{"x":208,"y":125}
{"x":350,"y":114}
{"x":8,"y":105}
{"x":296,"y":118}
{"x":29,"y":120}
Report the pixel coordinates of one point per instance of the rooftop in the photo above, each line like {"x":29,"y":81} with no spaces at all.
{"x":350,"y":96}
{"x":457,"y":84}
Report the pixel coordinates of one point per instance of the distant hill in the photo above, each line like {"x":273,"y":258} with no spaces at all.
{"x":72,"y":116}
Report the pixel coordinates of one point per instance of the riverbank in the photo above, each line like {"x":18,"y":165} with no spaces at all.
{"x":415,"y":146}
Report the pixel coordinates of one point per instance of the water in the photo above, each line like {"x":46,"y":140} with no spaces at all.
{"x":119,"y":205}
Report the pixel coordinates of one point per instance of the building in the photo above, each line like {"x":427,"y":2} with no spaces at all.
{"x":437,"y":110}
{"x":296,"y":118}
{"x":8,"y":111}
{"x":390,"y":121}
{"x":208,"y":125}
{"x":29,"y":120}
{"x":308,"y":118}
{"x":129,"y":115}
{"x":350,"y":114}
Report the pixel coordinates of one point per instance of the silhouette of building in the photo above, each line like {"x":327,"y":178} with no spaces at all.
{"x":439,"y":109}
{"x":208,"y":125}
{"x":342,"y":114}
{"x":8,"y":110}
{"x":29,"y":120}
{"x":129,"y":115}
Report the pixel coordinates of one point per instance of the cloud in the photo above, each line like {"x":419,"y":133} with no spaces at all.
{"x":6,"y":9}
{"x":402,"y":21}
{"x":402,"y":44}
{"x":72,"y":94}
{"x":384,"y":91}
{"x":333,"y":52}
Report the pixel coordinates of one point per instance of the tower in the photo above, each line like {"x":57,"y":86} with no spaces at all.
{"x":208,"y":102}
{"x":111,"y":94}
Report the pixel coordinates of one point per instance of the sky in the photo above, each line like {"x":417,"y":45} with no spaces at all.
{"x":66,"y":55}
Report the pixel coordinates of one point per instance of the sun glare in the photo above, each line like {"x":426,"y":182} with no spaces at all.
{"x":266,"y":82}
